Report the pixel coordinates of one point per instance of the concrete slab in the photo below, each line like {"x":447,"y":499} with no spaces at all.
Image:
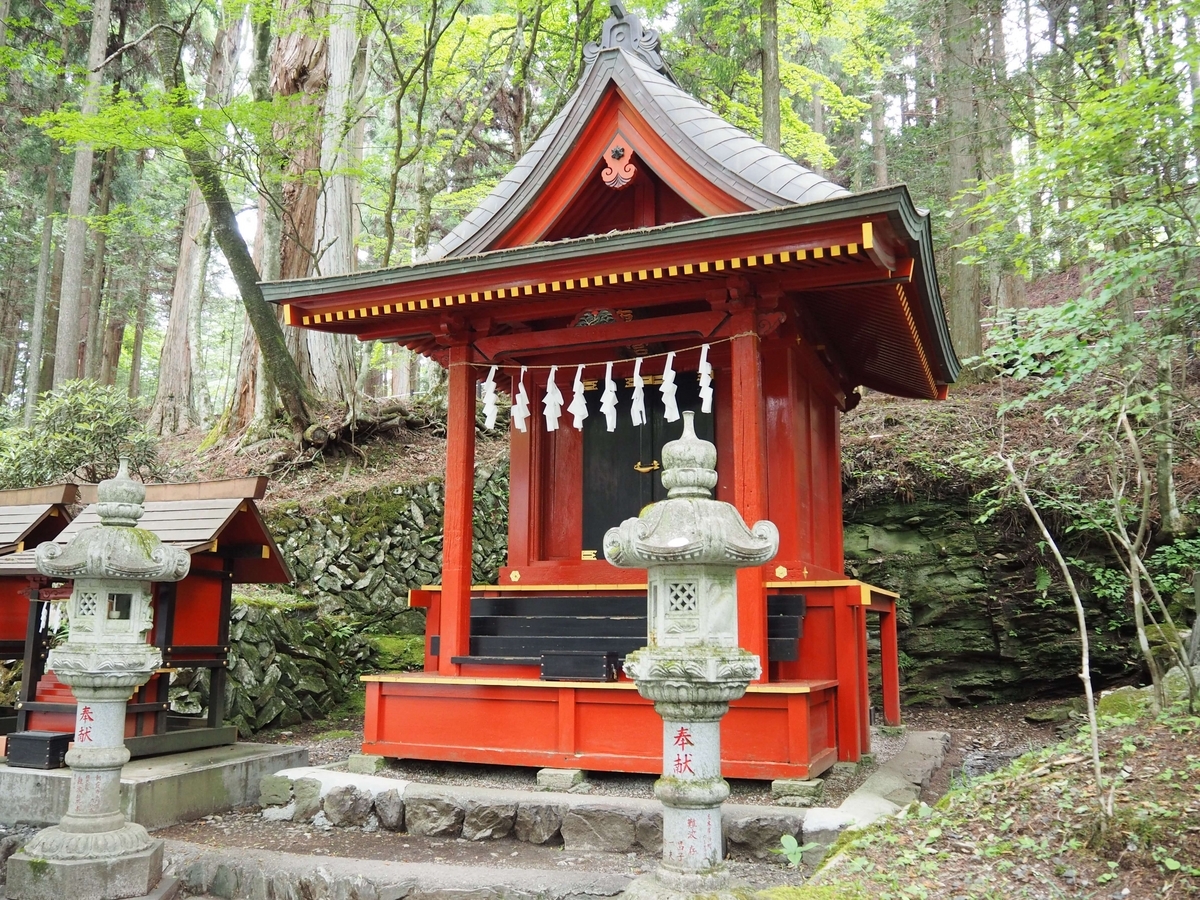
{"x":155,"y":792}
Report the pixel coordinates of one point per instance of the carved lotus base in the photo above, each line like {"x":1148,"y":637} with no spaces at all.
{"x":54,"y":843}
{"x":692,"y":684}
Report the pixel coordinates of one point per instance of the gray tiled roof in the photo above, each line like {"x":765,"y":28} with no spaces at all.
{"x":737,"y":163}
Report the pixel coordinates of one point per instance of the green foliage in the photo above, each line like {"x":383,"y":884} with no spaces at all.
{"x":793,"y":850}
{"x":80,"y":431}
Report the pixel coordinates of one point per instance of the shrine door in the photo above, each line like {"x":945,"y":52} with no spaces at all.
{"x":622,"y":468}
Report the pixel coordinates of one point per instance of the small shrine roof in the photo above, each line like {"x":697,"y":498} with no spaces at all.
{"x":198,"y":517}
{"x":745,"y":168}
{"x":23,"y":510}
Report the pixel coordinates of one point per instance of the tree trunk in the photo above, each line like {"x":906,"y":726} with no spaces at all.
{"x":818,"y":126}
{"x":66,"y":345}
{"x":879,"y":138}
{"x":331,"y":357}
{"x":91,"y":350}
{"x":139,"y":334}
{"x":770,"y":72}
{"x":207,"y":175}
{"x":174,"y":410}
{"x":963,"y":281}
{"x":252,"y":399}
{"x":46,"y":378}
{"x":201,"y":401}
{"x":37,"y":329}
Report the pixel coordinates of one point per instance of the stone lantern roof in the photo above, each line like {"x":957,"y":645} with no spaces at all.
{"x":689,"y":526}
{"x":116,"y":548}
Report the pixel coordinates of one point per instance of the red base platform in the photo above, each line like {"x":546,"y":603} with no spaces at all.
{"x":781,"y":730}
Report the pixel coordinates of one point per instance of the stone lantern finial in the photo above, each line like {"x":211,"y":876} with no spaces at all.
{"x":691,"y":547}
{"x":120,"y":498}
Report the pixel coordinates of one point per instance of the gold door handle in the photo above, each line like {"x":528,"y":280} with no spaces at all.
{"x":638,"y":467}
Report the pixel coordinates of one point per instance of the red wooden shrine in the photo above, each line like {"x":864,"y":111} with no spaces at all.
{"x":641,"y":223}
{"x":27,"y":517}
{"x":218,"y":523}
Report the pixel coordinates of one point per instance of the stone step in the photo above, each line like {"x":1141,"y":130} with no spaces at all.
{"x":266,"y":875}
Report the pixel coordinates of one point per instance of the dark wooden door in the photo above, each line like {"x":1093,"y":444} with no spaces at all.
{"x":622,"y":468}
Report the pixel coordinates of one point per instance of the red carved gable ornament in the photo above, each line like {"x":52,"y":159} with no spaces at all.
{"x":619,"y":168}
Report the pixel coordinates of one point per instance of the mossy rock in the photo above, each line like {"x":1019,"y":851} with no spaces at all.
{"x":1125,"y":701}
{"x":400,"y":652}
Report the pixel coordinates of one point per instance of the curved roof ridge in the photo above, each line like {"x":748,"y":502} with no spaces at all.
{"x":739,"y":164}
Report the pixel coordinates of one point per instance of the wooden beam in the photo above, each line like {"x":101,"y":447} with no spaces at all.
{"x":51,"y":493}
{"x":254,"y":488}
{"x":617,"y":334}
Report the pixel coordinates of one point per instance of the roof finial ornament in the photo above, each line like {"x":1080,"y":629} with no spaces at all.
{"x":625,"y":31}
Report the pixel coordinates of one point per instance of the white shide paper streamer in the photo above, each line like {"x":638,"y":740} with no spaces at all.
{"x":520,"y":407}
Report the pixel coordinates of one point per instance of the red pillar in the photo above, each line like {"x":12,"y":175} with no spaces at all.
{"x":864,"y":683}
{"x":460,"y":486}
{"x":890,"y":660}
{"x":749,"y":477}
{"x":846,"y":618}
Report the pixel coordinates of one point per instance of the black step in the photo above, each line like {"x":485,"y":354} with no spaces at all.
{"x":785,"y":605}
{"x":560,"y":626}
{"x":485,"y":645}
{"x":496,"y":660}
{"x":558,"y":606}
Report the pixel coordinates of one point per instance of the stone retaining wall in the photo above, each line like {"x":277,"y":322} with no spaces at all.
{"x":287,"y":663}
{"x":360,"y":554}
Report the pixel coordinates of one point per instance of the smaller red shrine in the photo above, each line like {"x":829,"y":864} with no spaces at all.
{"x":218,"y":523}
{"x":641,"y":225}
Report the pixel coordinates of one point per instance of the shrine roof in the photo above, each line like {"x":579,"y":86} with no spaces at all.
{"x":391,"y":304}
{"x":23,"y":510}
{"x":744,"y":168}
{"x":197,"y":517}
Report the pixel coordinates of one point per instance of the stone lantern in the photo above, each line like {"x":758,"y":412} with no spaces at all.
{"x":93,"y":853}
{"x":691,"y":546}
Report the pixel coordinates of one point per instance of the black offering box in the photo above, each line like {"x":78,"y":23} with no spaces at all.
{"x":38,"y":749}
{"x":579,"y":665}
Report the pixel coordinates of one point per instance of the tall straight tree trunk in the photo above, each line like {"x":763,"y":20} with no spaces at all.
{"x":66,"y":345}
{"x":201,"y":401}
{"x":46,"y":378}
{"x":91,"y":358}
{"x":139,"y":334}
{"x":964,"y":288}
{"x":770,"y":72}
{"x":333,"y":366}
{"x":818,"y":115}
{"x":174,"y":410}
{"x":879,"y":138}
{"x":37,"y":328}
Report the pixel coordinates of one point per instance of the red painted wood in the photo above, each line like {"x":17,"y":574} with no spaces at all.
{"x":749,"y":482}
{"x":846,"y":622}
{"x":562,"y":476}
{"x":14,"y":608}
{"x":460,"y":483}
{"x":603,"y":729}
{"x":864,"y":684}
{"x":520,"y":487}
{"x":890,"y":663}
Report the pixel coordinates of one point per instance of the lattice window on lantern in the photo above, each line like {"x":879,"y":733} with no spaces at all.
{"x":87,"y":603}
{"x":682,"y":598}
{"x":85,"y":609}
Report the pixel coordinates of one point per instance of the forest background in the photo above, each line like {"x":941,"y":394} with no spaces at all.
{"x":161,"y":158}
